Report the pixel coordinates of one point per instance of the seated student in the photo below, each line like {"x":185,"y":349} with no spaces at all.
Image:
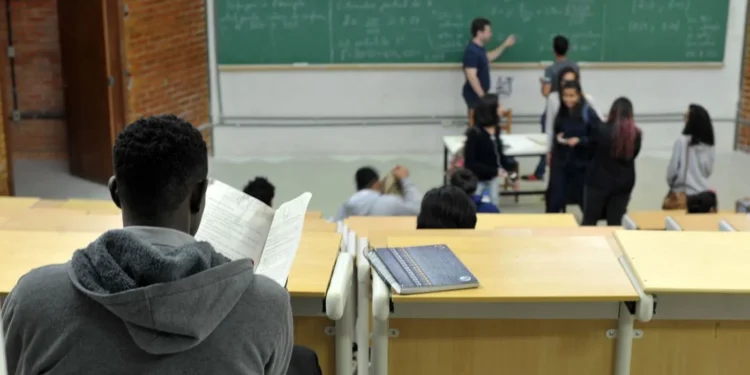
{"x":483,"y":151}
{"x":447,"y":207}
{"x":611,"y":174}
{"x":575,"y":124}
{"x":369,"y":199}
{"x":463,"y":179}
{"x":261,"y":189}
{"x":149,"y":298}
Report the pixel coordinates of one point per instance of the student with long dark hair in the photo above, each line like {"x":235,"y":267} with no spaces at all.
{"x":571,"y":153}
{"x":692,"y":160}
{"x":483,"y":151}
{"x":611,"y":175}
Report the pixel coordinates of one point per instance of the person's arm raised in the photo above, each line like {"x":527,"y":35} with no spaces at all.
{"x":497,"y":52}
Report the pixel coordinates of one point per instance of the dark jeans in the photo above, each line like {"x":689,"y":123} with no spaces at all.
{"x":542,"y":166}
{"x":602,"y":204}
{"x":565,"y":187}
{"x":304,"y":362}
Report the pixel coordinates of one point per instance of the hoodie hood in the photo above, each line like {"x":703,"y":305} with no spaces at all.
{"x":361,"y":203}
{"x":170,"y":290}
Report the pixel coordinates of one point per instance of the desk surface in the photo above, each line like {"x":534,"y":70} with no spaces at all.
{"x":703,"y":222}
{"x":61,"y":220}
{"x":740,"y":222}
{"x":313,"y":265}
{"x":362,"y":225}
{"x":652,"y":220}
{"x":20,"y":252}
{"x":15,"y":203}
{"x":688,"y":262}
{"x":518,"y":144}
{"x":531,"y":269}
{"x":92,"y":205}
{"x":318,"y":225}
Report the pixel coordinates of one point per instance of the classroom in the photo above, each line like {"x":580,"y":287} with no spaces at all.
{"x":274,"y":186}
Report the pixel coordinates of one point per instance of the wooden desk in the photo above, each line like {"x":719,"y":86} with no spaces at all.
{"x":699,"y":222}
{"x":740,"y":222}
{"x":92,"y":206}
{"x":538,"y":298}
{"x":21,"y":252}
{"x":363,"y":224}
{"x":652,"y":220}
{"x":57,"y":220}
{"x":318,"y":225}
{"x":313,"y":215}
{"x":307,"y":284}
{"x":11,"y":204}
{"x":703,"y":310}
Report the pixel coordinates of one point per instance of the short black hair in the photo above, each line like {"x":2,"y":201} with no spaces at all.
{"x":447,"y":207}
{"x":479,"y":24}
{"x":156,"y":160}
{"x":699,"y":126}
{"x":560,"y":44}
{"x":702,"y":203}
{"x":366,"y":177}
{"x":465,"y":180}
{"x":485,"y":111}
{"x":261,"y":189}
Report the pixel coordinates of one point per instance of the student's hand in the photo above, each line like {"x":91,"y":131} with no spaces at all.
{"x":572,"y":142}
{"x":401,"y":172}
{"x":502,"y":173}
{"x":561,"y":139}
{"x":509,"y":41}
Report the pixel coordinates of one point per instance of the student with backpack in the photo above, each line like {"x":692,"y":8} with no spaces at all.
{"x":483,"y":151}
{"x":573,"y":127}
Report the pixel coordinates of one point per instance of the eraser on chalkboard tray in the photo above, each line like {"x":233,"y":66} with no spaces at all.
{"x":300,"y":64}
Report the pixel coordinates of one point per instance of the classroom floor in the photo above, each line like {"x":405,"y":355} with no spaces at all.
{"x":330,"y":179}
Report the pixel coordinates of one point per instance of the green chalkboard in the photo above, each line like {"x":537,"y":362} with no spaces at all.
{"x":436,"y":31}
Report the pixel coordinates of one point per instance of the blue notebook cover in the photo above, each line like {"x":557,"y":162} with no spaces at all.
{"x":421,"y":269}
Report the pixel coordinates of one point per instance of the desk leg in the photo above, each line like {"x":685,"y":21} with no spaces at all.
{"x":445,"y":165}
{"x":380,"y":314}
{"x":624,"y":345}
{"x":363,"y":309}
{"x":344,"y":337}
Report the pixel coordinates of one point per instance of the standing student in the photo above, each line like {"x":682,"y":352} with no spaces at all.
{"x":149,"y":298}
{"x":692,"y":160}
{"x":465,"y":180}
{"x":551,"y":84}
{"x":483,"y":150}
{"x":261,"y":189}
{"x":447,"y":207}
{"x":477,"y":59}
{"x":574,"y":126}
{"x":611,"y":175}
{"x":369,"y":199}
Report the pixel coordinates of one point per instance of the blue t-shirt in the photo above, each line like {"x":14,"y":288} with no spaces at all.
{"x":475,"y":56}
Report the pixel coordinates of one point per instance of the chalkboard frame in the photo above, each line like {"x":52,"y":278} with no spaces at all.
{"x":452,"y":66}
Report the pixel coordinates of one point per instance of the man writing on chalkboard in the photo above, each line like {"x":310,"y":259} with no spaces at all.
{"x":477,"y":62}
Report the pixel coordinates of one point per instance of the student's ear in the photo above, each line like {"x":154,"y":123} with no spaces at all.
{"x":113,"y":193}
{"x":198,"y":197}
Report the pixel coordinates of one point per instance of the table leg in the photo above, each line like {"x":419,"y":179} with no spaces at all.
{"x":363,"y":309}
{"x":380,"y":314}
{"x":624,"y":345}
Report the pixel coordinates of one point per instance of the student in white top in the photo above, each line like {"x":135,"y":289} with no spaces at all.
{"x":553,"y":105}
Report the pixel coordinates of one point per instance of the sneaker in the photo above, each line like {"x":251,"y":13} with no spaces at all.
{"x":532,"y":177}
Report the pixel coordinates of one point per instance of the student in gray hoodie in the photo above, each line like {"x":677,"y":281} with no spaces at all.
{"x":150,"y":299}
{"x":370,"y":201}
{"x":693,"y":154}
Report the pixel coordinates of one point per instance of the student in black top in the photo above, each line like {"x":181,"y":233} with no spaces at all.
{"x":571,"y":153}
{"x":447,"y":207}
{"x":483,"y":151}
{"x":611,"y":174}
{"x":261,"y":189}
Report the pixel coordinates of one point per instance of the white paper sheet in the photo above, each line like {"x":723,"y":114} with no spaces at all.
{"x":234,"y":223}
{"x":283,"y":239}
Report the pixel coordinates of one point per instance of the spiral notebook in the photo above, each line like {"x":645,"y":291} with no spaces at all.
{"x":421,"y":269}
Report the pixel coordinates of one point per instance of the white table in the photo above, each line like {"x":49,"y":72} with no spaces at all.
{"x":517,"y":145}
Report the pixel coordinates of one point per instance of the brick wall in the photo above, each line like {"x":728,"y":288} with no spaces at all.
{"x":38,"y":78}
{"x":167,"y":56}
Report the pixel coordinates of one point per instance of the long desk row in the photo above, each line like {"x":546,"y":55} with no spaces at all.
{"x":554,"y":297}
